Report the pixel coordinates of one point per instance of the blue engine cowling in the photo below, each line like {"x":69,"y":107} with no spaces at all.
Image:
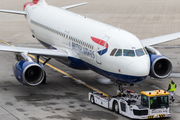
{"x":28,"y":73}
{"x":161,"y":66}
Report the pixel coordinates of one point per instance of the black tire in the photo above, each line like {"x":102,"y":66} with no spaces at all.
{"x":116,"y":107}
{"x":44,"y":80}
{"x":92,"y":99}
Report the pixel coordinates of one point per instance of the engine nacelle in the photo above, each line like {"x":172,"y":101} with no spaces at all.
{"x":161,"y":66}
{"x":28,"y":73}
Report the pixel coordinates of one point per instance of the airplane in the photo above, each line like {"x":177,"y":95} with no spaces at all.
{"x":82,"y":43}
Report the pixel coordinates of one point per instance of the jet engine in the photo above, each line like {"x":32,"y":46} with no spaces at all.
{"x":28,"y":73}
{"x":161,"y":66}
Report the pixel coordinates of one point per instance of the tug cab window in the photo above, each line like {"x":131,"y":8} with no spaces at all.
{"x":139,"y":52}
{"x":159,"y":102}
{"x":144,"y":101}
{"x":119,"y":52}
{"x":128,"y":53}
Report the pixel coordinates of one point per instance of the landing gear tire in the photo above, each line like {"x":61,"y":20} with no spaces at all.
{"x":92,"y":99}
{"x":116,"y":107}
{"x":44,"y":80}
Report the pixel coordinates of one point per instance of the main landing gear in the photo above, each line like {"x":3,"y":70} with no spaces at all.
{"x":46,"y":60}
{"x":120,"y":86}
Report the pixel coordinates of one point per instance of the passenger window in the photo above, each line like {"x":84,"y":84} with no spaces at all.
{"x":119,"y":52}
{"x":128,"y":53}
{"x":113,"y":52}
{"x":139,"y":52}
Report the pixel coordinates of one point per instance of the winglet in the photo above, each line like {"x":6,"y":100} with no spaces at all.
{"x":75,"y":5}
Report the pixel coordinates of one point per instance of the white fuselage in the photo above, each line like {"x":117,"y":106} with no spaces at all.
{"x":90,"y":43}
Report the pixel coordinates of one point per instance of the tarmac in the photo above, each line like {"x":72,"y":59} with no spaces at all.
{"x":65,"y":96}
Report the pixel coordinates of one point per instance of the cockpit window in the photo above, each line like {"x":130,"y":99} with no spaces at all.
{"x":119,"y":52}
{"x":139,"y":52}
{"x":128,"y":53}
{"x":113,"y":52}
{"x":145,"y":51}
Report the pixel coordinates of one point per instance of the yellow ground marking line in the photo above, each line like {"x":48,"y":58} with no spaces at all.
{"x":71,"y":76}
{"x":4,"y":42}
{"x":79,"y":81}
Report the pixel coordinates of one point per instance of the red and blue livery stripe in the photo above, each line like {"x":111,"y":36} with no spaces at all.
{"x":102,"y":43}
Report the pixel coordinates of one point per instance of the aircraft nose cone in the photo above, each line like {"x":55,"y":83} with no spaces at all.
{"x":138,"y":68}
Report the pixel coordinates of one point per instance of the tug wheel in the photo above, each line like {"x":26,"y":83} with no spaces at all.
{"x":92,"y":99}
{"x":116,"y":107}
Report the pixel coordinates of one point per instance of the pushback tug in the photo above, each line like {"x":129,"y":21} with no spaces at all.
{"x":148,"y":105}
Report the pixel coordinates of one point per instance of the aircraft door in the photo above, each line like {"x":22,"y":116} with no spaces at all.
{"x":101,"y":49}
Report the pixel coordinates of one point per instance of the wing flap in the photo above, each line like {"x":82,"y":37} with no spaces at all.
{"x":13,"y":12}
{"x":35,"y":51}
{"x":160,"y":39}
{"x":72,"y":6}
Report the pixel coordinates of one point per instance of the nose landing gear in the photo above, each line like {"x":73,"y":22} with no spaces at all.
{"x":120,"y":87}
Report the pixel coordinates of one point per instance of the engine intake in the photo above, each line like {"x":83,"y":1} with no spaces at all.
{"x":28,"y":73}
{"x":161,"y":66}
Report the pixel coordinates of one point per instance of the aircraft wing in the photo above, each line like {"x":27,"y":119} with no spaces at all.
{"x":35,"y":51}
{"x":13,"y":12}
{"x":160,"y":39}
{"x":24,"y":13}
{"x":75,"y":5}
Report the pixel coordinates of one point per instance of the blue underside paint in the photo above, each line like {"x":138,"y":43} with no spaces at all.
{"x":117,"y":77}
{"x":81,"y":65}
{"x":74,"y":63}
